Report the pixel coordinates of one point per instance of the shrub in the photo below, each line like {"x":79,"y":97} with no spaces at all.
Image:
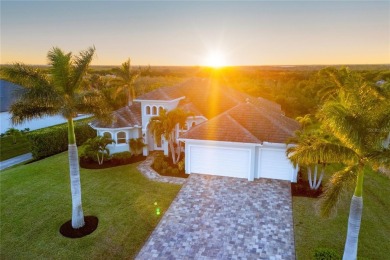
{"x":164,"y":171}
{"x":120,"y":158}
{"x":53,"y":140}
{"x":181,"y":165}
{"x":175,"y":171}
{"x":157,"y":164}
{"x":169,"y":170}
{"x":164,"y":165}
{"x":325,"y":254}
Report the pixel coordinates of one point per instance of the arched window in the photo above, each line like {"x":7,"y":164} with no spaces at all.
{"x":160,"y":109}
{"x":148,"y":110}
{"x":193,"y":124}
{"x":121,"y":138}
{"x":154,"y":110}
{"x":107,"y":135}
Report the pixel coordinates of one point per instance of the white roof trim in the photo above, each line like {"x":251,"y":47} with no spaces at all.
{"x":218,"y":142}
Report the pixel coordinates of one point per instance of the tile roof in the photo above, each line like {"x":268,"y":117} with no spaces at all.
{"x":221,"y":128}
{"x":188,"y":106}
{"x":246,"y":122}
{"x":128,"y":116}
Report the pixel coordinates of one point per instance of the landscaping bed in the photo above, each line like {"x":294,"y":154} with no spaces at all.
{"x":88,"y":163}
{"x":302,"y":189}
{"x":163,"y":165}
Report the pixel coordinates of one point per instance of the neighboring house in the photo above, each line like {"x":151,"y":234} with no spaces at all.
{"x":230,"y":133}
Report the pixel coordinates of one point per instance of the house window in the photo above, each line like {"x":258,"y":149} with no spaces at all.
{"x":121,"y":138}
{"x":107,"y":135}
{"x":154,"y":110}
{"x":148,"y":110}
{"x":193,"y":124}
{"x":160,"y":109}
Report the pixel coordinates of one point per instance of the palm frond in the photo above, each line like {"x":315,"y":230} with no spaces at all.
{"x":60,"y":69}
{"x":335,"y":188}
{"x":93,"y":102}
{"x":343,"y":125}
{"x":81,"y":64}
{"x":320,"y":151}
{"x":23,"y":110}
{"x":25,"y":76}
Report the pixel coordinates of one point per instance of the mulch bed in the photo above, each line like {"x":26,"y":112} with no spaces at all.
{"x":168,"y":159}
{"x":180,"y":175}
{"x":90,"y":164}
{"x":302,"y":189}
{"x":91,"y":223}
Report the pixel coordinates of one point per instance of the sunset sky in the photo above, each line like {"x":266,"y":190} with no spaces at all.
{"x":189,"y":33}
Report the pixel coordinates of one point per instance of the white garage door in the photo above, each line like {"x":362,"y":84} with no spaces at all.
{"x":228,"y":162}
{"x":275,"y":165}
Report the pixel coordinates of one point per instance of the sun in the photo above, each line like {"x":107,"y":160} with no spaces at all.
{"x":215,"y":59}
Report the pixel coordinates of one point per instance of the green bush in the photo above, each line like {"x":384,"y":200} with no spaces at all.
{"x":325,"y":254}
{"x":164,"y":165}
{"x":158,"y":163}
{"x":121,"y":158}
{"x":54,"y":140}
{"x":181,"y":165}
{"x":175,"y":171}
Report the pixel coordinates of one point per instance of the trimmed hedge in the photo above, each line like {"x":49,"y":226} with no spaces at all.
{"x":54,"y":140}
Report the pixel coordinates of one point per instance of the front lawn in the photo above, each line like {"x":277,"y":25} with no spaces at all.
{"x":8,"y":149}
{"x":36,"y":200}
{"x":313,"y":232}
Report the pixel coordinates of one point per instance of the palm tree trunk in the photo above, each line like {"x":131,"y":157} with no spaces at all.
{"x":354,"y":220}
{"x":74,"y":171}
{"x":309,"y":177}
{"x":320,"y":179}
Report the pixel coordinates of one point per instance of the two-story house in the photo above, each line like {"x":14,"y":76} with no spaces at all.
{"x":230,"y":133}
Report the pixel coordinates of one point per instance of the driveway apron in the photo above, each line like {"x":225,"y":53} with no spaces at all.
{"x":225,"y":218}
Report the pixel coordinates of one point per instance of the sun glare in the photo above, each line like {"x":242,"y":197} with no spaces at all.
{"x":215,"y":59}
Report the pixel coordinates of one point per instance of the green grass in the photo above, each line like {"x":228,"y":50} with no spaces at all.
{"x":312,"y":232}
{"x":36,"y":201}
{"x":8,"y":149}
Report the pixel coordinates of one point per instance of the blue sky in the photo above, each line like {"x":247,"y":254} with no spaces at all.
{"x":185,"y":33}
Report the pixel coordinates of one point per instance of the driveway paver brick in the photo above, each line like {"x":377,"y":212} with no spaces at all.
{"x":225,"y":218}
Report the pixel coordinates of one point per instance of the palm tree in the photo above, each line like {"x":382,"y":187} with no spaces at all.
{"x":98,"y":146}
{"x":349,"y":118}
{"x":60,"y":92}
{"x":14,"y":133}
{"x":125,"y":78}
{"x":165,"y":124}
{"x":136,"y":145}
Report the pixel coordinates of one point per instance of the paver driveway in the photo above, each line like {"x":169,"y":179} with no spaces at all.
{"x":225,"y":218}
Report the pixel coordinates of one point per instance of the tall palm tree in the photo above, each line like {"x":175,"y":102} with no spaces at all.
{"x":165,"y":124}
{"x":125,"y":78}
{"x":59,"y":92}
{"x":350,"y":118}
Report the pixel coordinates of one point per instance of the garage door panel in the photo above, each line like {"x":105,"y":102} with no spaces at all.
{"x":219,"y":161}
{"x":274,"y":164}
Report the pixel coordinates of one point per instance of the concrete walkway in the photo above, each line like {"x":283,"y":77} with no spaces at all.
{"x":225,"y":218}
{"x":16,"y":160}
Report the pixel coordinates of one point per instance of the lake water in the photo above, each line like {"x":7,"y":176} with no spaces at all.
{"x":33,"y":124}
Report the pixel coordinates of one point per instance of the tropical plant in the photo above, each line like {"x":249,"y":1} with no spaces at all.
{"x":14,"y":133}
{"x":98,"y":147}
{"x":125,"y":78}
{"x":136,"y":145}
{"x":165,"y":124}
{"x":349,"y":116}
{"x":59,"y":92}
